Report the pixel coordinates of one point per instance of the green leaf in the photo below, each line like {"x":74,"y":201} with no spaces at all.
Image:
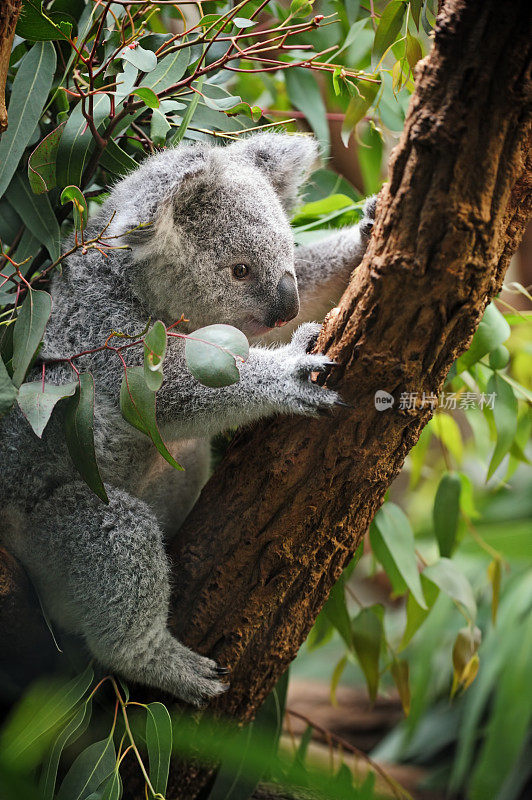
{"x":413,"y":51}
{"x":168,"y":71}
{"x":8,"y":392}
{"x":74,"y":195}
{"x":390,"y":24}
{"x":446,"y":512}
{"x":392,"y":542}
{"x":72,"y":731}
{"x":505,"y":418}
{"x":415,"y":8}
{"x":159,"y":127}
{"x":147,"y":96}
{"x":34,"y":720}
{"x":79,"y":431}
{"x":137,"y":403}
{"x":143,"y":60}
{"x":213,"y":354}
{"x":112,"y":788}
{"x":499,"y":357}
{"x":448,"y":432}
{"x":37,"y":401}
{"x":301,"y":8}
{"x":89,"y":770}
{"x":243,"y":22}
{"x":400,"y":675}
{"x":336,"y":611}
{"x":492,"y":331}
{"x":447,"y":577}
{"x":154,"y":352}
{"x":42,"y":162}
{"x":189,"y":113}
{"x":508,"y":725}
{"x":28,"y":95}
{"x":159,"y":744}
{"x":368,"y":632}
{"x":253,"y":112}
{"x":36,"y":26}
{"x":415,"y":614}
{"x":304,"y":92}
{"x":77,"y":142}
{"x":117,"y":160}
{"x":29,"y":330}
{"x":222,"y":103}
{"x":36,"y":213}
{"x":366,"y":93}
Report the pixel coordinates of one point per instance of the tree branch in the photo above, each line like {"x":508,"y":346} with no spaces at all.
{"x":292,"y":499}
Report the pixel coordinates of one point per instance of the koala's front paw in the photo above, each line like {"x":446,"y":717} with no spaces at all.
{"x":198,"y":679}
{"x":366,"y":224}
{"x":301,"y":395}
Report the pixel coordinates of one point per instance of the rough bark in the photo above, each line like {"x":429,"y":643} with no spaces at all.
{"x":9,"y":13}
{"x":288,"y":506}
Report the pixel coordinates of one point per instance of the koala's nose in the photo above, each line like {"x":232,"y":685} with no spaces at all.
{"x":287,"y":305}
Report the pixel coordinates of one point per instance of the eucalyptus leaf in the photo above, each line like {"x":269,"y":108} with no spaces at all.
{"x":70,"y":733}
{"x":137,"y":403}
{"x":168,"y":71}
{"x":8,"y":392}
{"x":363,"y":98}
{"x":446,"y":512}
{"x":36,"y":26}
{"x":37,"y":401}
{"x":505,"y":418}
{"x":77,"y":142}
{"x":304,"y":92}
{"x":368,"y":633}
{"x":42,"y":162}
{"x":492,"y":331}
{"x":213,"y":354}
{"x":36,"y":213}
{"x":79,"y":432}
{"x":35,"y":720}
{"x":143,"y":60}
{"x":392,"y":541}
{"x":90,"y":768}
{"x":159,"y":744}
{"x":446,"y":575}
{"x":388,"y":29}
{"x":28,"y":95}
{"x":29,"y":330}
{"x":116,"y":160}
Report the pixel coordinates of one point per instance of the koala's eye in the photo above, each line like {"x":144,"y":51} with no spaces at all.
{"x":240,"y":271}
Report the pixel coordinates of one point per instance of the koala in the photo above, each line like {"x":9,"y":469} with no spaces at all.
{"x":201,"y":231}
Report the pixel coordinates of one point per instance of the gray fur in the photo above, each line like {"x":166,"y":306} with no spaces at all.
{"x":101,"y":571}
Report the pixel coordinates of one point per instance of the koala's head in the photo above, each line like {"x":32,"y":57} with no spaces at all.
{"x":219,"y":248}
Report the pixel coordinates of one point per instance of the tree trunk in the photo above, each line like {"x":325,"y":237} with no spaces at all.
{"x":9,"y":13}
{"x":291,"y":501}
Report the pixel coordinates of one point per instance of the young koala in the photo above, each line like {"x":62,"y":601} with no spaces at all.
{"x":219,"y":249}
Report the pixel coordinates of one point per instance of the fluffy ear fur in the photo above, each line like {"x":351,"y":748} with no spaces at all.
{"x":286,"y":159}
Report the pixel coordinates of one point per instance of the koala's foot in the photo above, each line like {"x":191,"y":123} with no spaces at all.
{"x":301,"y":395}
{"x":193,"y":678}
{"x":366,"y":224}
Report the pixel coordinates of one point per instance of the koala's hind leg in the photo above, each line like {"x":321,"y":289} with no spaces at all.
{"x":102,"y":572}
{"x":170,"y":492}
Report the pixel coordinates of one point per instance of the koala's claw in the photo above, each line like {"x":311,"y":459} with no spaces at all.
{"x":198,"y":679}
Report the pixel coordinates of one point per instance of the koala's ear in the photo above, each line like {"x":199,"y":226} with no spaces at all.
{"x":197,"y":186}
{"x":286,"y":159}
